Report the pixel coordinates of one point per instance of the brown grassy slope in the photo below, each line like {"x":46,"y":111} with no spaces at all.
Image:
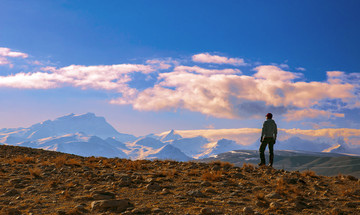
{"x":43,"y":182}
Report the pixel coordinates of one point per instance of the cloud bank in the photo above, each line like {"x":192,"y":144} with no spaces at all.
{"x":213,"y":91}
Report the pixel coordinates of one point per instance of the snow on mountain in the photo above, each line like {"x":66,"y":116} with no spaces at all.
{"x":169,"y":152}
{"x":191,"y":146}
{"x":79,"y":144}
{"x":117,"y":144}
{"x":149,"y":142}
{"x":70,"y":124}
{"x":90,"y":135}
{"x":171,"y":136}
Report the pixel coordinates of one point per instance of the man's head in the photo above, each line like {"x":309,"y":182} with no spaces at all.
{"x":269,"y":116}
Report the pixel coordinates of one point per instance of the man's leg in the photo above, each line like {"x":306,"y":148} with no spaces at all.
{"x":262,"y":150}
{"x":271,"y":152}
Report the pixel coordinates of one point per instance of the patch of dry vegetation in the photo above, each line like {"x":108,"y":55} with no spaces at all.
{"x":43,"y":182}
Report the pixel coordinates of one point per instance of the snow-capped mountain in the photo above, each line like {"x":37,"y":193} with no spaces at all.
{"x":171,"y":136}
{"x":169,"y":152}
{"x":149,"y":142}
{"x":70,"y":124}
{"x":222,"y":146}
{"x":90,"y":135}
{"x":79,"y":144}
{"x":192,"y":147}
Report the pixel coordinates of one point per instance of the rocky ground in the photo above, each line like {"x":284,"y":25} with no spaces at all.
{"x":43,"y":182}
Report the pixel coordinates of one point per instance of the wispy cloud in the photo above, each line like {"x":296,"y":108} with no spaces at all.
{"x":5,"y":53}
{"x":216,"y":59}
{"x":295,"y":115}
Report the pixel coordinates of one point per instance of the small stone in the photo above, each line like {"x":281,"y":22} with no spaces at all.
{"x":261,"y":204}
{"x":273,"y":196}
{"x":15,"y":181}
{"x":153,"y":187}
{"x":248,"y":210}
{"x":156,"y":210}
{"x":120,"y":205}
{"x":196,"y":193}
{"x":61,"y":212}
{"x":210,"y":190}
{"x":11,"y":192}
{"x":274,"y":205}
{"x":165,"y":191}
{"x":87,"y":187}
{"x":206,"y":211}
{"x":205,"y":184}
{"x":102,"y":195}
{"x":352,"y":204}
{"x":12,"y":211}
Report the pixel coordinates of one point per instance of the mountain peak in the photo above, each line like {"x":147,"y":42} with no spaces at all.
{"x":171,"y":136}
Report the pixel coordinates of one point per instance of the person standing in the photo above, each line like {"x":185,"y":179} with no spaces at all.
{"x":268,"y":137}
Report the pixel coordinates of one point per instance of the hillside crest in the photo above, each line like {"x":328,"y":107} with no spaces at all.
{"x":36,"y":181}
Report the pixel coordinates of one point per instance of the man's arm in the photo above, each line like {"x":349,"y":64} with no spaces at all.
{"x":262,"y":132}
{"x":275,"y":132}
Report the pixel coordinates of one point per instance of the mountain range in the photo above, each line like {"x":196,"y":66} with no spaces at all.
{"x":91,"y":135}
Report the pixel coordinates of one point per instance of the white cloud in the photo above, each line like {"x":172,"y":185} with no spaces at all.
{"x":223,"y":93}
{"x":161,"y":64}
{"x":108,"y":77}
{"x":297,"y":115}
{"x":208,"y":58}
{"x":204,"y":71}
{"x":5,"y":53}
{"x":228,"y":95}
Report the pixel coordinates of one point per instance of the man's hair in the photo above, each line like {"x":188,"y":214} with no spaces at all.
{"x":269,"y":115}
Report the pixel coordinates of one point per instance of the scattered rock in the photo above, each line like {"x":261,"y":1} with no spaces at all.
{"x":118,"y":205}
{"x":205,"y":184}
{"x":11,"y":192}
{"x":12,"y":211}
{"x":261,"y":204}
{"x":196,"y":193}
{"x":206,"y":211}
{"x":210,"y":190}
{"x":153,"y":187}
{"x":352,"y":204}
{"x":274,"y":205}
{"x":273,"y":196}
{"x":102,"y":195}
{"x":248,"y":210}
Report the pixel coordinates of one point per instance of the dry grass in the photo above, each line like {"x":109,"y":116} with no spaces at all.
{"x":60,"y":161}
{"x":171,"y":173}
{"x":222,"y":164}
{"x":212,"y":176}
{"x":260,"y":196}
{"x":193,"y":172}
{"x":35,"y":172}
{"x":23,"y":159}
{"x":230,"y":190}
{"x":281,"y":186}
{"x":308,"y":173}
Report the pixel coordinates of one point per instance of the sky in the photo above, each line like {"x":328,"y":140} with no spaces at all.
{"x":152,"y":66}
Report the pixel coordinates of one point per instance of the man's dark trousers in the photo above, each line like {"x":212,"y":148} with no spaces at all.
{"x":267,"y":141}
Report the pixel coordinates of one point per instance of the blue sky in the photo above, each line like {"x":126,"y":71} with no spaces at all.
{"x":190,"y":64}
